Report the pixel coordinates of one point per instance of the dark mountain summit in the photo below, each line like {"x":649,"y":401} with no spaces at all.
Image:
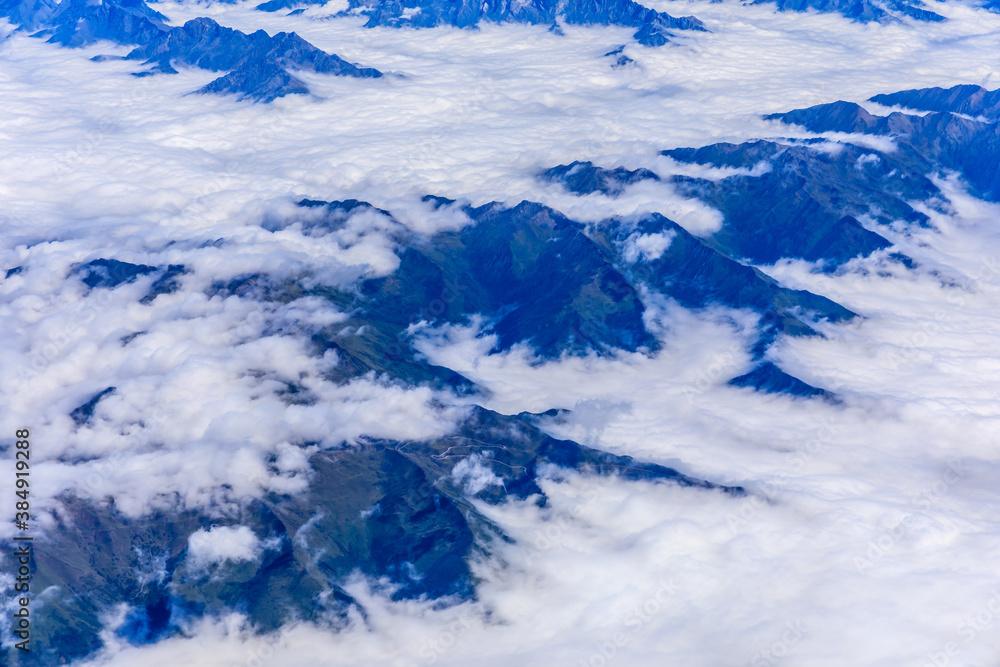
{"x":864,"y":11}
{"x":763,"y":211}
{"x":965,"y":99}
{"x":583,"y":177}
{"x":258,"y":63}
{"x":397,"y":511}
{"x":945,"y":139}
{"x":81,"y":22}
{"x":563,"y":286}
{"x":822,"y":201}
{"x":258,"y":66}
{"x":653,"y":28}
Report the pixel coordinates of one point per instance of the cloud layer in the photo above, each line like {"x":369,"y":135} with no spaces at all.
{"x":863,"y":539}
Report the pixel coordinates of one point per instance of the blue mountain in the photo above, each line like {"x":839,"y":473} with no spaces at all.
{"x":941,"y":141}
{"x":543,"y":279}
{"x":110,"y":273}
{"x":864,"y":11}
{"x":539,"y":278}
{"x":770,"y":379}
{"x":400,"y":511}
{"x":965,"y":99}
{"x":531,"y":269}
{"x":763,"y":213}
{"x":653,"y":28}
{"x":563,"y":286}
{"x":403,"y":511}
{"x":28,"y":14}
{"x":83,"y":414}
{"x":798,"y":199}
{"x":391,"y":510}
{"x":695,"y":274}
{"x":620,"y":59}
{"x":81,"y":22}
{"x":258,"y":66}
{"x":584,"y":177}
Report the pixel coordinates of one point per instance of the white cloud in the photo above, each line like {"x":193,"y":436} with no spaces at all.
{"x":474,"y":113}
{"x":115,"y":166}
{"x":219,"y":544}
{"x":646,"y":247}
{"x":198,"y":401}
{"x":876,"y":509}
{"x":474,"y":475}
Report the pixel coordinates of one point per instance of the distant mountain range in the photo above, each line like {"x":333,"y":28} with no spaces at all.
{"x":260,"y":67}
{"x":398,"y":510}
{"x":403,"y":510}
{"x":406,"y":511}
{"x":653,"y":28}
{"x":960,"y":134}
{"x":800,"y":199}
{"x":256,"y":66}
{"x":865,"y":11}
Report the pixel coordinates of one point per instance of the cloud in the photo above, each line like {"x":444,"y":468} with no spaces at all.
{"x":222,"y":543}
{"x":200,"y":380}
{"x":873,"y":509}
{"x":468,"y":113}
{"x":646,"y":246}
{"x":868,"y":520}
{"x":474,"y":475}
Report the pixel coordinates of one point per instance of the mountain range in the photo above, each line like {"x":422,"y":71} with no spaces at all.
{"x":261,"y":67}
